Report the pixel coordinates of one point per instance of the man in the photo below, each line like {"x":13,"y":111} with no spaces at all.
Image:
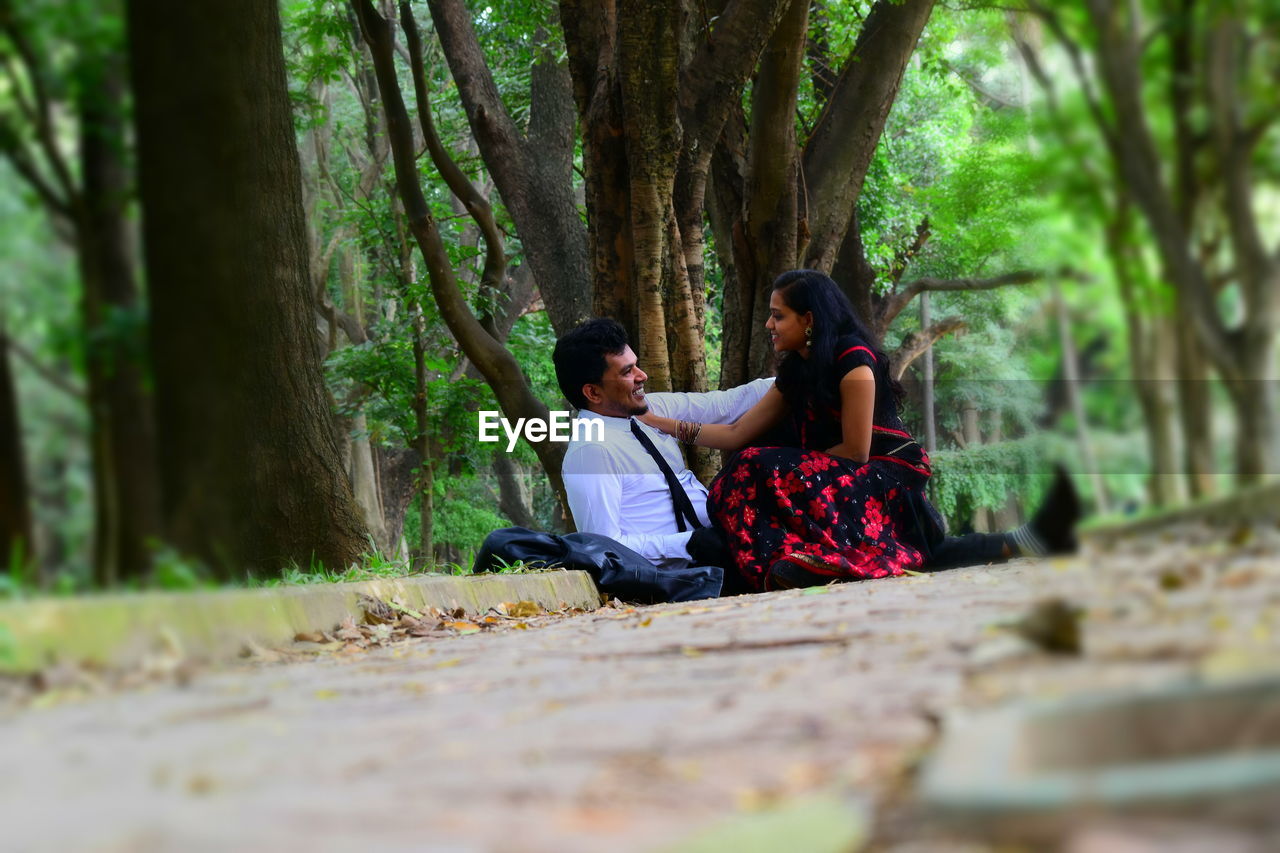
{"x":617,"y":487}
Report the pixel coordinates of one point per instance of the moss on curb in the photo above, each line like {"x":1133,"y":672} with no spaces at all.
{"x":121,"y":630}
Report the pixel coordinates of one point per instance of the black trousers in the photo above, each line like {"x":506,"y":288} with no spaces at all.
{"x":972,"y":549}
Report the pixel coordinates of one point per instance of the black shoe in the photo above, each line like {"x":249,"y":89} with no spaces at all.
{"x":1052,"y":530}
{"x":795,"y":571}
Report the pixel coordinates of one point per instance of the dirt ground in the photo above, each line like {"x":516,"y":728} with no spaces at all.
{"x":636,"y":728}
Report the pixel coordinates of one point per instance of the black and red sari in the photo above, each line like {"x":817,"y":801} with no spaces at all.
{"x":835,"y":516}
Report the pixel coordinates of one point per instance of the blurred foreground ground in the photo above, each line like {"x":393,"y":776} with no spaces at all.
{"x":635,"y":728}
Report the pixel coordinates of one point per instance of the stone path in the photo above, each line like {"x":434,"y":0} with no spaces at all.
{"x":624,"y":729}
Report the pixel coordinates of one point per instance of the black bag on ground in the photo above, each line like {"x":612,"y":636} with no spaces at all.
{"x":616,"y":569}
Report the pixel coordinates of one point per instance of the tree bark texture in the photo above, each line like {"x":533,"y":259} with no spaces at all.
{"x":250,"y":465}
{"x":654,"y":87}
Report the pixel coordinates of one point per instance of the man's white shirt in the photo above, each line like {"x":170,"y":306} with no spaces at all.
{"x":616,"y":489}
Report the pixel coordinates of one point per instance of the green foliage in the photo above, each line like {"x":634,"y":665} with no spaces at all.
{"x":986,"y":476}
{"x":173,"y":572}
{"x":465,"y":525}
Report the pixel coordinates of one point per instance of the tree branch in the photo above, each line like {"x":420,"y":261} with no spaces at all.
{"x":1233,"y":153}
{"x":1074,"y":53}
{"x":45,"y":372}
{"x":495,"y":259}
{"x":19,"y":157}
{"x":839,"y":151}
{"x":501,"y":371}
{"x":44,"y":104}
{"x":896,"y":302}
{"x":916,"y":344}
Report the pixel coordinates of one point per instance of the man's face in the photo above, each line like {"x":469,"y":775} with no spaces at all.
{"x":620,"y":392}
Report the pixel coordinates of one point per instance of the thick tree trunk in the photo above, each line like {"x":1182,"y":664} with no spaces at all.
{"x":652,"y":102}
{"x":724,"y":212}
{"x":251,"y":474}
{"x":126,"y":485}
{"x":770,"y":216}
{"x":15,"y":508}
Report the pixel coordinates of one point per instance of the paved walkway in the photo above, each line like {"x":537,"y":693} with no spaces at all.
{"x":624,"y":729}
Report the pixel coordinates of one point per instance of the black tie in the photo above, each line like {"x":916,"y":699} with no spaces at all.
{"x":683,"y":506}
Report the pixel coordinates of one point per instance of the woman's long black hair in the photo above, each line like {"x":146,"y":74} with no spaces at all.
{"x":802,"y":379}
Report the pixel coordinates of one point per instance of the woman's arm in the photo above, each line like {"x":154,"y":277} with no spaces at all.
{"x":857,"y":407}
{"x":750,"y":426}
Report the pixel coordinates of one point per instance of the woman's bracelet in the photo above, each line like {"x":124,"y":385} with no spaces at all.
{"x":687,"y":431}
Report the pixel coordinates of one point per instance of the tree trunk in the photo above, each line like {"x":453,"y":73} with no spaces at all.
{"x":364,"y":484}
{"x":250,"y":467}
{"x":16,"y":542}
{"x":513,"y":501}
{"x":126,"y":487}
{"x":1152,"y":347}
{"x":397,"y":484}
{"x":422,"y":442}
{"x":1071,"y":377}
{"x":926,"y":383}
{"x":1160,"y":408}
{"x":770,"y":227}
{"x":972,"y":436}
{"x":652,"y":102}
{"x":839,"y":152}
{"x":817,"y":220}
{"x":501,"y":371}
{"x":533,"y":172}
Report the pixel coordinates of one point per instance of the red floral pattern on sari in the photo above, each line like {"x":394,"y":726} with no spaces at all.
{"x":775,"y":501}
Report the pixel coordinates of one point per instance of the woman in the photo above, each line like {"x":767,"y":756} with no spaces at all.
{"x":849,"y":502}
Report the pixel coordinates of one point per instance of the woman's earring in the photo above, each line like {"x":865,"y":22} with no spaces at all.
{"x":808,"y":336}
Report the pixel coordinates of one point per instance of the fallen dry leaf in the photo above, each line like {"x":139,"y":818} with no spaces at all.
{"x":523,"y":609}
{"x":348,"y":630}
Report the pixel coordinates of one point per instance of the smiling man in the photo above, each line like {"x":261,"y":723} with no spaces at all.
{"x":634,"y":486}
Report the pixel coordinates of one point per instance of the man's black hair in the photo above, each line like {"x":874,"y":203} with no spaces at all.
{"x":579,"y":356}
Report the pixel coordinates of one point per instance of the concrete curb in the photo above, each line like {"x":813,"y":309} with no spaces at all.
{"x":119,"y":630}
{"x":1247,"y":506}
